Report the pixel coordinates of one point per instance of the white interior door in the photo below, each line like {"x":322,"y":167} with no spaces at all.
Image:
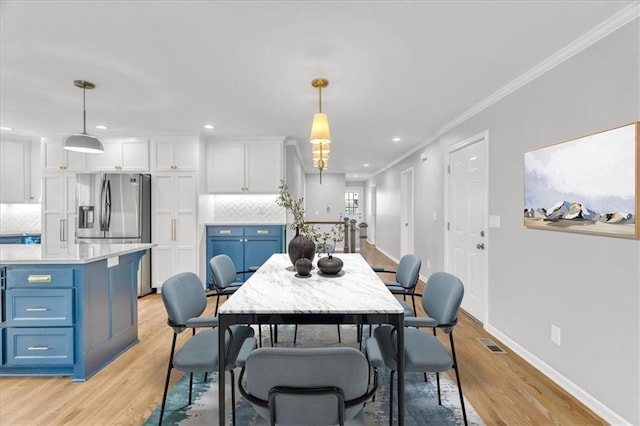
{"x":467,"y":255}
{"x":406,"y":225}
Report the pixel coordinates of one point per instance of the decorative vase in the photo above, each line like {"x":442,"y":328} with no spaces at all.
{"x":301,"y":246}
{"x":330,"y":265}
{"x":303,"y":266}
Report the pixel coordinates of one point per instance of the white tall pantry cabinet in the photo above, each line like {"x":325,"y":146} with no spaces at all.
{"x":175,"y":200}
{"x":59,"y":194}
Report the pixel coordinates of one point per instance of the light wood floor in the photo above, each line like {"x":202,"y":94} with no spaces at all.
{"x":503,"y":389}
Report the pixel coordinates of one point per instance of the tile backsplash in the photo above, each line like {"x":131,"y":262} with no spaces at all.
{"x":240,"y":208}
{"x":20,"y":218}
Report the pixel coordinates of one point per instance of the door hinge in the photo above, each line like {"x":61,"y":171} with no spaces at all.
{"x":448,"y":226}
{"x":449,"y":169}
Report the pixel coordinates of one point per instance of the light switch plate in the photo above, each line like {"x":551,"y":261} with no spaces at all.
{"x":494,"y":221}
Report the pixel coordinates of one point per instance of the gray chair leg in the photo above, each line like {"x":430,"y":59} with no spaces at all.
{"x":215,"y":313}
{"x":455,"y":368}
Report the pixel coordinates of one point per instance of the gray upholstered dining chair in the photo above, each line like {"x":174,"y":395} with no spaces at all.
{"x":406,"y":277}
{"x":224,"y":275}
{"x":307,"y":386}
{"x":185,"y":300}
{"x":424,"y":352}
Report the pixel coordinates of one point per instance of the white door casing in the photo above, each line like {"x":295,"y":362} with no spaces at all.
{"x":466,"y":204}
{"x":371,"y":236}
{"x":406,"y":222}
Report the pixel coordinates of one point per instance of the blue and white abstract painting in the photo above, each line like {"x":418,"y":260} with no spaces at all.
{"x":586,"y":184}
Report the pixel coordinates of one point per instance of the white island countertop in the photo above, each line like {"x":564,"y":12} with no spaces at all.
{"x":74,"y":254}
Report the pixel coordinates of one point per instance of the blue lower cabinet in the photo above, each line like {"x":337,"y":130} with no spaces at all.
{"x":248,"y":246}
{"x":47,"y":307}
{"x":68,"y":319}
{"x":40,"y":346}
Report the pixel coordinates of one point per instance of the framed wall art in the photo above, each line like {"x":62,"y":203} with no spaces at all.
{"x":589,"y":184}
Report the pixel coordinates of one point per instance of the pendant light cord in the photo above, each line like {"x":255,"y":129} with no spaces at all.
{"x":84,"y":110}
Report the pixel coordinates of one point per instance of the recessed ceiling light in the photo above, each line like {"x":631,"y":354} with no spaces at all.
{"x":366,"y":164}
{"x":102,"y":127}
{"x":396,"y":139}
{"x":209,"y":126}
{"x":8,"y":129}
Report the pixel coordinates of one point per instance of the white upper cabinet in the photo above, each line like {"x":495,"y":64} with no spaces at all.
{"x":244,"y":167}
{"x":178,"y":153}
{"x":126,"y":155}
{"x":14,"y":171}
{"x":55,"y":158}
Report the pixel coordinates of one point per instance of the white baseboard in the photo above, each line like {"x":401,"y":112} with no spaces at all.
{"x":387,"y":254}
{"x":576,"y":391}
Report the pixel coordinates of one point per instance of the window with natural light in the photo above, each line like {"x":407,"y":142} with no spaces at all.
{"x":351,"y":203}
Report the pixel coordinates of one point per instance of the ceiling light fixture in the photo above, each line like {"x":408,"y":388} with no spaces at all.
{"x":209,"y":126}
{"x":84,"y":142}
{"x":320,"y":135}
{"x":102,"y":127}
{"x":8,"y":129}
{"x":396,"y":139}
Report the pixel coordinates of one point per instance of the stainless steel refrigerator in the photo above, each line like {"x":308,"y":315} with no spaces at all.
{"x":116,"y":208}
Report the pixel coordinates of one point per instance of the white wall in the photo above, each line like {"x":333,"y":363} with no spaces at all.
{"x":587,"y":285}
{"x":324,"y":202}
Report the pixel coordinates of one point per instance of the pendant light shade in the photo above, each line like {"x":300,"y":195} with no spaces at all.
{"x":320,"y":132}
{"x":84,"y":142}
{"x":320,"y":147}
{"x":320,"y":137}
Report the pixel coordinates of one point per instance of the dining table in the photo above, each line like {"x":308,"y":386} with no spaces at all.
{"x":277,"y":294}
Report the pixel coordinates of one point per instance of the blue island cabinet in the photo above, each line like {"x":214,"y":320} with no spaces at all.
{"x":249,"y":246}
{"x":68,"y":319}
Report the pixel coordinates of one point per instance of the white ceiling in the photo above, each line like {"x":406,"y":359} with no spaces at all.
{"x":396,"y":68}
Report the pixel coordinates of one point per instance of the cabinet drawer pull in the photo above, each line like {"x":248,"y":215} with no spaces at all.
{"x":225,"y":232}
{"x":37,"y":309}
{"x":39,"y":348}
{"x":39,"y":278}
{"x":263,"y":231}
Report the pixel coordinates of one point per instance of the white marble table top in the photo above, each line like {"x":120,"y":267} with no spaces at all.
{"x":75,"y":254}
{"x":275,"y":288}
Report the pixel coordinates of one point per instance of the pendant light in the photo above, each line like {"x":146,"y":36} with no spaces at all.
{"x":320,"y":137}
{"x":84,"y":142}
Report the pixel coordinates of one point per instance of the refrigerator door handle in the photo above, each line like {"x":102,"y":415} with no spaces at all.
{"x":108,"y":206}
{"x":102,"y":202}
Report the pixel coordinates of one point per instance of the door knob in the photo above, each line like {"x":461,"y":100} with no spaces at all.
{"x":480,"y":246}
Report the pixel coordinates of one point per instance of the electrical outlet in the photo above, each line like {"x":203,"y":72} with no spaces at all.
{"x":555,"y":334}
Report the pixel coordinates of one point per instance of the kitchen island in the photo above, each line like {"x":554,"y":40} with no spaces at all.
{"x":67,"y":314}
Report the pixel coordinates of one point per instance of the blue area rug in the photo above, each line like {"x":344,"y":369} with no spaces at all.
{"x":421,"y":399}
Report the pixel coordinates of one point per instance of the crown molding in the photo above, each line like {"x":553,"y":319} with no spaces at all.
{"x":596,"y":34}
